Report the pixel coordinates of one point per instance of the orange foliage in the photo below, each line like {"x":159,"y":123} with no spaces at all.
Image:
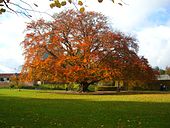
{"x":80,"y":48}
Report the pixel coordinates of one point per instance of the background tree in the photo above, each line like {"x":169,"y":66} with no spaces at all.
{"x":167,"y":70}
{"x":80,"y":47}
{"x":159,"y":70}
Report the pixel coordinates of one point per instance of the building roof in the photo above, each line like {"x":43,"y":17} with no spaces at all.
{"x":5,"y":75}
{"x":163,"y":77}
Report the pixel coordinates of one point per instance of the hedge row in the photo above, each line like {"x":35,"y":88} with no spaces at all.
{"x":106,"y":88}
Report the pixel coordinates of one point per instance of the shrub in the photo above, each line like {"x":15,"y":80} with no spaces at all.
{"x":51,"y":87}
{"x":11,"y":86}
{"x":106,"y":88}
{"x":27,"y":87}
{"x":72,"y":87}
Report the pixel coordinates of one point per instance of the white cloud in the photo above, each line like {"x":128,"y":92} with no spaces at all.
{"x":11,"y":36}
{"x":4,"y":69}
{"x":155,"y":45}
{"x":133,"y":16}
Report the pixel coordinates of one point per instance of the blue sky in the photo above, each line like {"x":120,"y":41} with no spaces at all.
{"x":148,"y":21}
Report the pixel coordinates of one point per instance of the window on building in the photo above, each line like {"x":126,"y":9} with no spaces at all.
{"x":1,"y":79}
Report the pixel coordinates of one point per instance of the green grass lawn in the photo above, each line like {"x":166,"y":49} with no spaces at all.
{"x":37,"y":109}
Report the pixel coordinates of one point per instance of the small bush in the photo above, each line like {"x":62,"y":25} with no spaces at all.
{"x":106,"y":88}
{"x":51,"y":87}
{"x":11,"y":86}
{"x":72,"y":87}
{"x":92,"y":87}
{"x":27,"y":87}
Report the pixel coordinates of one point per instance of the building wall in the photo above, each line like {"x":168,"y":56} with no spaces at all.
{"x":5,"y":78}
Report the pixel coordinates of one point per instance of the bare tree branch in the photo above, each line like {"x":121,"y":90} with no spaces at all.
{"x":9,"y":7}
{"x":23,"y":10}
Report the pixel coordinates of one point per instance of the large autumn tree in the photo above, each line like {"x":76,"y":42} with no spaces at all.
{"x":82,"y":48}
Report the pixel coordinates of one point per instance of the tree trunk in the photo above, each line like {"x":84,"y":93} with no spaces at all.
{"x":84,"y":87}
{"x":118,"y":87}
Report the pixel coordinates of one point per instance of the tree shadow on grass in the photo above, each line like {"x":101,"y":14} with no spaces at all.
{"x":19,"y":112}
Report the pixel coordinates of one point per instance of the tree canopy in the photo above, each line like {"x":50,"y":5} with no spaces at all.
{"x":82,"y":48}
